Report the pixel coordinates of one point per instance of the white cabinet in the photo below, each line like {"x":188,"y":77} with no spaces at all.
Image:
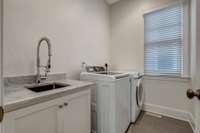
{"x":39,"y":118}
{"x":77,"y":114}
{"x":69,"y":114}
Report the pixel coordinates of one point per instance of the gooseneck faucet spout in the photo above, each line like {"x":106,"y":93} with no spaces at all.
{"x":40,"y":77}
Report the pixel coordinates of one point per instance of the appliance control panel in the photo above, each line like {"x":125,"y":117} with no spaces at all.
{"x":95,"y":69}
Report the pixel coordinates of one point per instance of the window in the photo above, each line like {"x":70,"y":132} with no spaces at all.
{"x":164,"y":41}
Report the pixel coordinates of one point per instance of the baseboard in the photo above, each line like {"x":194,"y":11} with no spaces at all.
{"x":129,"y":126}
{"x":192,"y":122}
{"x":170,"y":112}
{"x":93,"y":107}
{"x":93,"y":131}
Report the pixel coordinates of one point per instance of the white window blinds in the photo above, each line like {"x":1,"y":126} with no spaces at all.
{"x":163,"y":41}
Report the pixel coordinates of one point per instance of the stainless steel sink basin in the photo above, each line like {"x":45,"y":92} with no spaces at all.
{"x":46,"y":86}
{"x":109,"y":73}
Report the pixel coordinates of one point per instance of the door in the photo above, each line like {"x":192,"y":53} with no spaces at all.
{"x":195,"y":60}
{"x":197,"y":102}
{"x":39,"y":118}
{"x":1,"y":51}
{"x":76,"y":113}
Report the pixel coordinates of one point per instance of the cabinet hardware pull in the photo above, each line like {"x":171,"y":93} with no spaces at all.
{"x":66,"y":104}
{"x":1,"y":113}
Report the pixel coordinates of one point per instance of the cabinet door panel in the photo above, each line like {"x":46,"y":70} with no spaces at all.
{"x":77,"y":114}
{"x":41,"y":118}
{"x":52,"y":117}
{"x":43,"y":121}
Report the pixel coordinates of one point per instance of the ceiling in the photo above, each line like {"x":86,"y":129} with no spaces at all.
{"x":111,"y":1}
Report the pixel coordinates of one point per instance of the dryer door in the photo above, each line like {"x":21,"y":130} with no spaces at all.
{"x":139,"y":94}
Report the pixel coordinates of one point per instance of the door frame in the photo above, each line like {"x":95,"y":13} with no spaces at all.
{"x":1,"y":58}
{"x":195,"y":60}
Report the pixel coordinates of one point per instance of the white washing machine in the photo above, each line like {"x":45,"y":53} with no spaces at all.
{"x":137,"y":95}
{"x":111,"y":98}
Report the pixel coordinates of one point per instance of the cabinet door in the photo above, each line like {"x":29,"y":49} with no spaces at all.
{"x":77,"y":113}
{"x":40,"y":118}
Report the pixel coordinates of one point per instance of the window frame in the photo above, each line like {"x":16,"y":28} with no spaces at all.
{"x":186,"y":39}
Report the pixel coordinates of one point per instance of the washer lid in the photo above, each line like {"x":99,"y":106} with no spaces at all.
{"x":105,"y":77}
{"x":115,"y":75}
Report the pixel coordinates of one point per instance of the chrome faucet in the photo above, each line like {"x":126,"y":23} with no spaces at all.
{"x":40,"y":77}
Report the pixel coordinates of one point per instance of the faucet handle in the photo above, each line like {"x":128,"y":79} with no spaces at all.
{"x":49,"y":66}
{"x":47,"y":70}
{"x":43,"y":77}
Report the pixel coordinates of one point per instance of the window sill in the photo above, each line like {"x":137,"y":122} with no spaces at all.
{"x":167,"y":78}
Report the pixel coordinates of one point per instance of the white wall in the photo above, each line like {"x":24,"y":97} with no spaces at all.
{"x":78,"y":30}
{"x":127,"y":31}
{"x":167,"y":96}
{"x":163,"y":95}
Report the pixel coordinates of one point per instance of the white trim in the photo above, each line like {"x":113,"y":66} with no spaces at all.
{"x":1,"y":59}
{"x":154,"y":114}
{"x":1,"y":52}
{"x":166,"y":78}
{"x":93,"y":131}
{"x":93,"y":107}
{"x":167,"y":111}
{"x":186,"y":36}
{"x":164,"y":6}
{"x":192,"y":122}
{"x":186,"y":40}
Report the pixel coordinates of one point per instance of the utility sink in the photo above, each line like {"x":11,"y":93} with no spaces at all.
{"x":109,"y":73}
{"x":46,"y":86}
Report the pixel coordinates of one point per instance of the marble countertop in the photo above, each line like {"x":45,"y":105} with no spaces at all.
{"x":17,"y":96}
